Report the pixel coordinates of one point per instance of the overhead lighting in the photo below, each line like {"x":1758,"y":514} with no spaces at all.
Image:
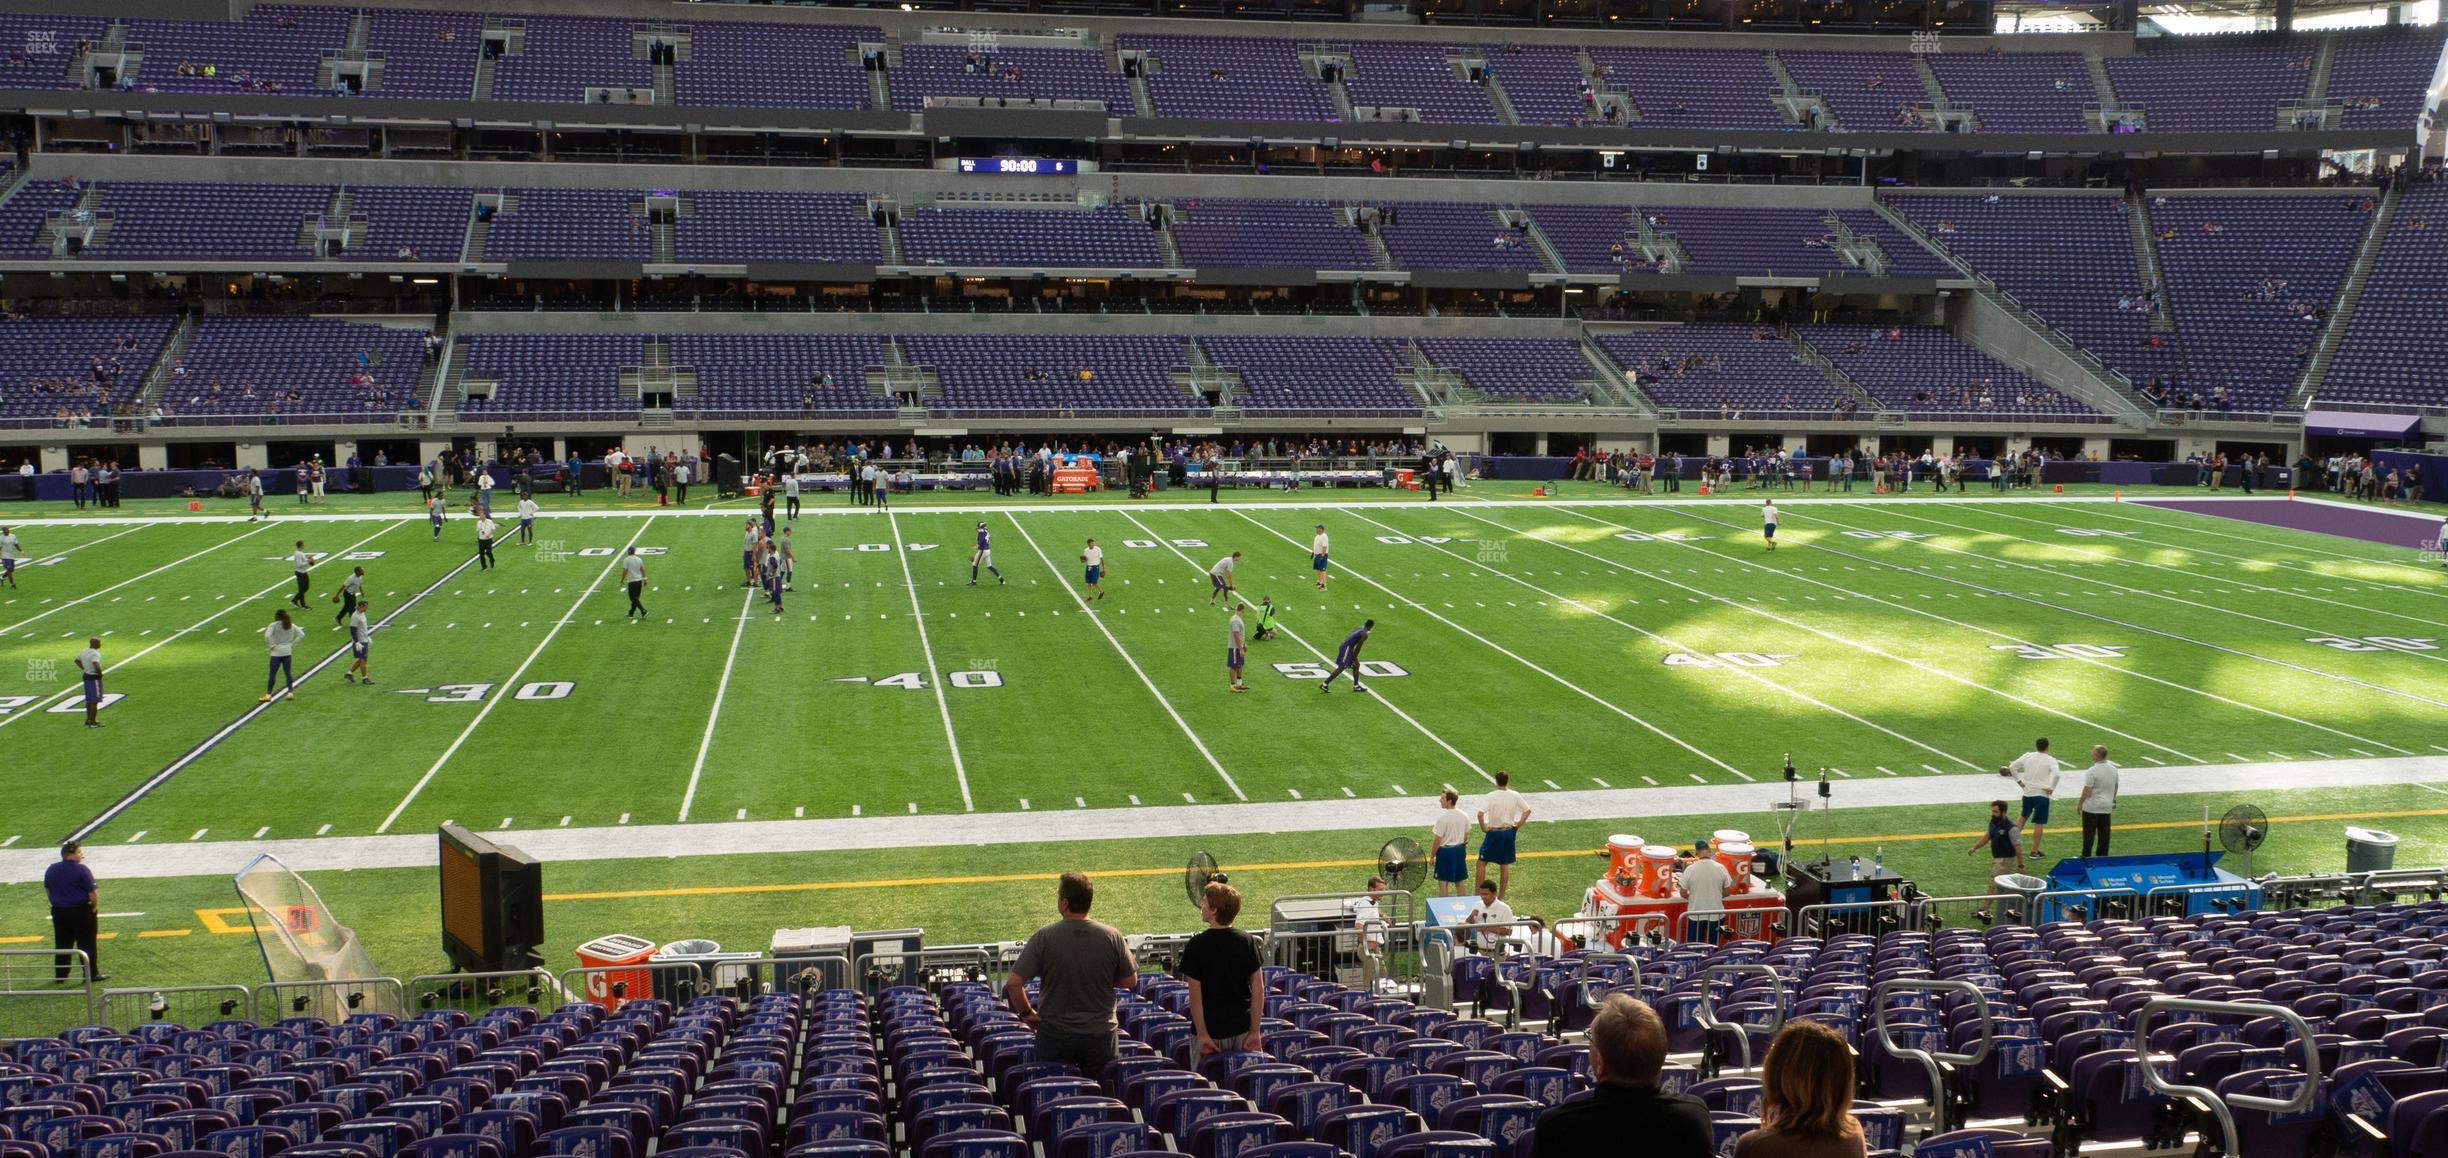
{"x":423,"y":281}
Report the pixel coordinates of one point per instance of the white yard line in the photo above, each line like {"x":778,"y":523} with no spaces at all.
{"x":2163,"y":633}
{"x":110,"y":665}
{"x":1289,"y":634}
{"x":934,"y":676}
{"x":415,"y":850}
{"x":722,"y":688}
{"x":1510,"y":654}
{"x":2101,"y":664}
{"x":64,"y":552}
{"x":1765,"y":613}
{"x":1099,"y":621}
{"x":495,"y":701}
{"x":244,"y":718}
{"x":82,"y":599}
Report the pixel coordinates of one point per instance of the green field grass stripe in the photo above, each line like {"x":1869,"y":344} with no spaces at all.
{"x":2102,"y":665}
{"x":1517,"y":657}
{"x":1080,"y":602}
{"x":182,"y":633}
{"x":1669,"y":641}
{"x":83,"y":599}
{"x":960,"y":770}
{"x":2176,"y":636}
{"x":722,"y":690}
{"x":247,"y":717}
{"x":64,"y":552}
{"x":495,"y":701}
{"x":1322,"y":657}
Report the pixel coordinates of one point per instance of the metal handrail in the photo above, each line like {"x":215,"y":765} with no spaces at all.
{"x":2244,"y":889}
{"x":1581,"y":979}
{"x":2222,"y":1106}
{"x":433,"y":989}
{"x":2084,"y":899}
{"x":1804,"y":917}
{"x":1645,"y":924}
{"x":598,"y":983}
{"x":913,"y":963}
{"x":1706,"y":1012}
{"x":1929,"y":1059}
{"x":166,"y":1002}
{"x":332,"y":999}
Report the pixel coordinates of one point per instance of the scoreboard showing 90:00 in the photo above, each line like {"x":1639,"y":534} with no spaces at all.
{"x":1018,"y":166}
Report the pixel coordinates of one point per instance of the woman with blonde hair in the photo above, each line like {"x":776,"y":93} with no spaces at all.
{"x":1807,"y":1108}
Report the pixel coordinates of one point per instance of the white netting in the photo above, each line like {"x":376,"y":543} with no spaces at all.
{"x":303,"y":943}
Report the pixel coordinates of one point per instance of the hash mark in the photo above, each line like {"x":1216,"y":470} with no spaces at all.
{"x":320,"y":831}
{"x":259,"y":833}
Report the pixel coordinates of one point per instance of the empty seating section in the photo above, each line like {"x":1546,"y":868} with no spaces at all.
{"x":159,"y":218}
{"x":1309,"y":234}
{"x":2219,"y":84}
{"x":428,"y":222}
{"x":1591,"y":238}
{"x":1328,"y":375}
{"x":2018,"y":92}
{"x":562,"y":56}
{"x":720,"y":225}
{"x":1718,"y":88}
{"x":1865,"y":91}
{"x":1109,"y":235}
{"x":1542,"y":82}
{"x":1515,"y":369}
{"x":2068,"y":259}
{"x":1753,"y":242}
{"x":2250,"y":280}
{"x":570,"y":225}
{"x":36,"y":50}
{"x":427,"y":56}
{"x":1417,"y":77}
{"x":1905,"y":256}
{"x":1232,"y":78}
{"x":55,"y":367}
{"x":273,"y":49}
{"x":781,"y":374}
{"x":1456,"y":235}
{"x":297,"y":366}
{"x":1721,"y":367}
{"x":1927,"y":368}
{"x":2391,"y":345}
{"x":25,"y":211}
{"x":2380,"y":78}
{"x":538,"y":375}
{"x":795,"y":66}
{"x":1009,"y":72}
{"x":1068,"y":374}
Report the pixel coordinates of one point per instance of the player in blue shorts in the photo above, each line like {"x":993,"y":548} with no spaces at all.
{"x":983,"y":556}
{"x":1451,"y":833}
{"x":9,"y":550}
{"x":1317,"y":556}
{"x":1220,"y":577}
{"x":435,"y":508}
{"x":1768,"y":522}
{"x":1092,"y":559}
{"x":1236,"y":649}
{"x":89,"y":666}
{"x":769,"y":573}
{"x":748,"y":554}
{"x":1347,"y":656}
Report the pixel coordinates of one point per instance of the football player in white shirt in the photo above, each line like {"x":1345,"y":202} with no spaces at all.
{"x":361,"y":643}
{"x":1768,"y":522}
{"x":484,"y":542}
{"x":1220,"y":577}
{"x":1317,"y":556}
{"x":1092,"y":559}
{"x":526,"y":516}
{"x":299,"y":564}
{"x":10,"y":548}
{"x":1501,"y":816}
{"x":748,"y":554}
{"x":89,"y":669}
{"x":2035,"y":772}
{"x":279,"y":638}
{"x":1450,"y":837}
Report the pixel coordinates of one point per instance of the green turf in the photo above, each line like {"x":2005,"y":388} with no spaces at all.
{"x":1580,"y":647}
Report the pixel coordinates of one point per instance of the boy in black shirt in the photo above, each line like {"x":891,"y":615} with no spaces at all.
{"x":1222,"y":968}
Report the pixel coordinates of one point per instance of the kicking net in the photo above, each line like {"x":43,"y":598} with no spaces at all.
{"x":306,"y":950}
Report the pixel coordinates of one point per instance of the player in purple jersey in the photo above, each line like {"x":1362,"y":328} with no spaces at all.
{"x":1347,"y":657}
{"x":983,"y":557}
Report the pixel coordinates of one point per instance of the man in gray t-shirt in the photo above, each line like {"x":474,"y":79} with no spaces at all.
{"x":1077,"y":963}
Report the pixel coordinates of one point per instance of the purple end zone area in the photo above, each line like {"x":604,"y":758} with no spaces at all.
{"x":2371,"y":526}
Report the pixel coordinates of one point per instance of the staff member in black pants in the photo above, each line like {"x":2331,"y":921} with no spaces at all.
{"x":75,"y":906}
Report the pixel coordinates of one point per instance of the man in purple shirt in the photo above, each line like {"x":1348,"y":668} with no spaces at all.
{"x":75,"y":904}
{"x":1347,"y":657}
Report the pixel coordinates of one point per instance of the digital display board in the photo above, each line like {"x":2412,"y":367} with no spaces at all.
{"x":1018,"y":166}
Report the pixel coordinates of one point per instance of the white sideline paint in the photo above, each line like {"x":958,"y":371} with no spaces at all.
{"x":1099,"y":622}
{"x":82,"y":599}
{"x":415,"y":850}
{"x":960,"y":771}
{"x":495,"y":701}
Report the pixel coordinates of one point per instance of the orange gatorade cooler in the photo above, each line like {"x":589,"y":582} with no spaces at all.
{"x":1736,"y":856}
{"x":611,"y":950}
{"x":1623,"y":860}
{"x":1729,"y":836}
{"x":1657,"y":871}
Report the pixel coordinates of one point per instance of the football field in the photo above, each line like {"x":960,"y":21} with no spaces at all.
{"x":1582,"y":645}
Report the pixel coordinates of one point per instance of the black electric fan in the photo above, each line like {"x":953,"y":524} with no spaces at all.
{"x":1401,"y":863}
{"x":1200,"y":873}
{"x":2241,"y":831}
